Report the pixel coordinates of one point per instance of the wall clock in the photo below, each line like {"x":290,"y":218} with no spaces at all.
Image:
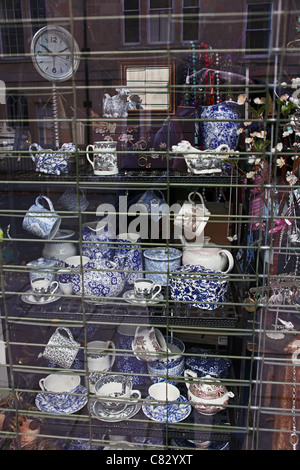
{"x":55,"y":53}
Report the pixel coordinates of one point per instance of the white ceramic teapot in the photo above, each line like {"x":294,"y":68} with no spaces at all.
{"x":209,"y":256}
{"x":207,"y":395}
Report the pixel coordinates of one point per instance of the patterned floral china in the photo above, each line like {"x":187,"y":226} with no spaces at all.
{"x":174,"y":413}
{"x":97,"y":239}
{"x":101,"y":278}
{"x":171,"y":367}
{"x":128,"y":246}
{"x":50,"y":161}
{"x":44,"y":268}
{"x":72,"y":404}
{"x":115,"y":393}
{"x":206,"y":362}
{"x":218,"y":125}
{"x":126,"y":362}
{"x":203,"y":288}
{"x":159,"y":261}
{"x":148,"y":344}
{"x":42,"y":221}
{"x":208,"y":395}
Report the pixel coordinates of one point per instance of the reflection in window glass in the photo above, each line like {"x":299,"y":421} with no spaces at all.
{"x":258,"y":28}
{"x":11,"y":27}
{"x":151,"y":84}
{"x":131,"y":21}
{"x":190,"y":22}
{"x":160,"y":26}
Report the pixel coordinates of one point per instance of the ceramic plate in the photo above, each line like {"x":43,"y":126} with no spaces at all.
{"x":177,"y":412}
{"x":28,"y":298}
{"x":129,"y":297}
{"x":72,"y":405}
{"x":97,"y":411}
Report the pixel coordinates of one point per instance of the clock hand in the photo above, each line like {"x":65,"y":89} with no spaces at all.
{"x":48,"y":50}
{"x":65,"y":49}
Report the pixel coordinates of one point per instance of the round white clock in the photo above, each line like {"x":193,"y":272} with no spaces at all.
{"x":55,"y":53}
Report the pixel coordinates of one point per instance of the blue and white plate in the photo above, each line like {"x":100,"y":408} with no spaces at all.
{"x":173,"y":414}
{"x":97,"y":411}
{"x":71,"y":405}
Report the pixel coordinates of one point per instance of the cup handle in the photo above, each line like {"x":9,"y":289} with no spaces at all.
{"x":41,"y":384}
{"x":111,"y":345}
{"x":55,"y":288}
{"x":136,"y":395}
{"x":87,"y":154}
{"x":37,"y":201}
{"x":157,"y":290}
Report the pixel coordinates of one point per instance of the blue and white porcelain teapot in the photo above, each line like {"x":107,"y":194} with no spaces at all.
{"x":52,"y":162}
{"x":101,"y":278}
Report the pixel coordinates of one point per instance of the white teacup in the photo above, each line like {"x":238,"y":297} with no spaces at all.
{"x":146,"y":289}
{"x":100,"y":358}
{"x":58,"y":387}
{"x":163,"y":394}
{"x":41,"y":286}
{"x":115,"y":393}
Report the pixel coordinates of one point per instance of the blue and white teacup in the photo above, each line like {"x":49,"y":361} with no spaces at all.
{"x":65,"y":281}
{"x":59,"y":387}
{"x":40,"y":221}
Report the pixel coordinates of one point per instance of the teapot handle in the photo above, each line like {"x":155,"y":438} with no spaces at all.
{"x":38,"y":203}
{"x":196,"y":194}
{"x":33,"y":148}
{"x":230,"y":260}
{"x":189,"y":373}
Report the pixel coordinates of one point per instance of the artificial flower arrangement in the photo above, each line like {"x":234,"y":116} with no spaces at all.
{"x":278,"y":160}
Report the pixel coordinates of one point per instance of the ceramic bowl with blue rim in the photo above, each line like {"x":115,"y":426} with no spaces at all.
{"x":202,"y":288}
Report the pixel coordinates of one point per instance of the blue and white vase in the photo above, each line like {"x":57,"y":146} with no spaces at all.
{"x":128,"y":245}
{"x":98,"y":239}
{"x":218,"y":125}
{"x":161,"y":261}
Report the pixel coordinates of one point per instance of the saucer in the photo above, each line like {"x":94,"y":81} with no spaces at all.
{"x":129,"y":297}
{"x":29,"y":298}
{"x":71,"y":405}
{"x":176,"y":412}
{"x":97,"y":411}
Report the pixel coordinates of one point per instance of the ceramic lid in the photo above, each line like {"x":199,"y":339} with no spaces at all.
{"x":163,"y":254}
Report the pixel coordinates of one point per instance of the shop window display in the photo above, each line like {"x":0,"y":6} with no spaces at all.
{"x":149,"y":226}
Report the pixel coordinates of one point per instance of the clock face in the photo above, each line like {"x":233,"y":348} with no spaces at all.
{"x":55,"y":53}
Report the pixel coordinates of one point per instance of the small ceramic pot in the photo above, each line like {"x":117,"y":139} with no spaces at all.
{"x":208,"y":396}
{"x":44,"y":268}
{"x":159,"y":261}
{"x":148,"y":343}
{"x":50,"y":161}
{"x":103,"y":157}
{"x":202,"y":288}
{"x":100,"y":358}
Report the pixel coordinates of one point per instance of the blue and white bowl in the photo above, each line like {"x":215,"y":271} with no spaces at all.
{"x":172,"y":367}
{"x":202,"y":288}
{"x":205,"y":362}
{"x":160,"y":262}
